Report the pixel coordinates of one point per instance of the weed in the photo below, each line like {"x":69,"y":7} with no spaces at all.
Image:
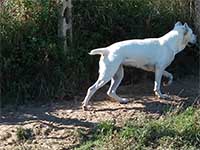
{"x":105,"y":128}
{"x":24,"y":134}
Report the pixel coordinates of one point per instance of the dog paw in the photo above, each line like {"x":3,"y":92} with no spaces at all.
{"x":164,"y":96}
{"x":86,"y":108}
{"x":123,"y":101}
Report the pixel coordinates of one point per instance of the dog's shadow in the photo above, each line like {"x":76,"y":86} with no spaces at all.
{"x":144,"y":104}
{"x":142,"y":98}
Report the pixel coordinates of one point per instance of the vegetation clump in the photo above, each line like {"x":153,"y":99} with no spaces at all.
{"x":174,"y":131}
{"x":24,"y":134}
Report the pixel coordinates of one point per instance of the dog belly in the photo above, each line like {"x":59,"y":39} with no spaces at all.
{"x":145,"y":65}
{"x":132,"y":63}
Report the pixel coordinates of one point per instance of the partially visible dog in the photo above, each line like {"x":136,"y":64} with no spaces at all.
{"x":152,"y":54}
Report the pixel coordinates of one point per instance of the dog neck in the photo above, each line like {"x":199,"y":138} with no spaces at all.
{"x":174,"y":41}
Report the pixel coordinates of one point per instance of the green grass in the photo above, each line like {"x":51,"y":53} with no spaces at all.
{"x":24,"y":134}
{"x":173,"y":131}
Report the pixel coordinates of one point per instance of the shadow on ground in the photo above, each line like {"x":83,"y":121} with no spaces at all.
{"x":60,"y":119}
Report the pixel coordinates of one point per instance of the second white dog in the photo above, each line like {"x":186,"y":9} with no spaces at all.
{"x":152,"y":54}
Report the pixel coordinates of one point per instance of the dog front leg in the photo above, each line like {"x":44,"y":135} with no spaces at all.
{"x":158,"y":76}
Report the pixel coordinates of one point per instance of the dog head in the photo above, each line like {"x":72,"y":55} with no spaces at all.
{"x":186,"y":32}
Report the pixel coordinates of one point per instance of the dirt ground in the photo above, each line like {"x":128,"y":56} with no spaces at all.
{"x":56,"y":125}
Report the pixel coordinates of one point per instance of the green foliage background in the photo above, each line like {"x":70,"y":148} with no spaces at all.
{"x":33,"y":65}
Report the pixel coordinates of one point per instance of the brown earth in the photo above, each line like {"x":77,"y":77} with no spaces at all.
{"x":57,"y":125}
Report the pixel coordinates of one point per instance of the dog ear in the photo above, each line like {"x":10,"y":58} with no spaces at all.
{"x":186,"y":27}
{"x":185,"y":37}
{"x":178,"y":24}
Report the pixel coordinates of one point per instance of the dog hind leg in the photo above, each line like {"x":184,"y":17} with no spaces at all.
{"x":115,"y":82}
{"x":98,"y":84}
{"x":169,"y":76}
{"x":107,"y":69}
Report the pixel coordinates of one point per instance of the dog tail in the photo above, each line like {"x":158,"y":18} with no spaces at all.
{"x":99,"y":51}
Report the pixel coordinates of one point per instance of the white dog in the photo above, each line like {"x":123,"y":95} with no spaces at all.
{"x":152,"y":54}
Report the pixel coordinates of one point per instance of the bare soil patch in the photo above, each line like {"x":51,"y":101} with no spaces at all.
{"x":57,"y":125}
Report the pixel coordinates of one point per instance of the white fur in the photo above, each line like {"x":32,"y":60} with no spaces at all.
{"x":152,"y":54}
